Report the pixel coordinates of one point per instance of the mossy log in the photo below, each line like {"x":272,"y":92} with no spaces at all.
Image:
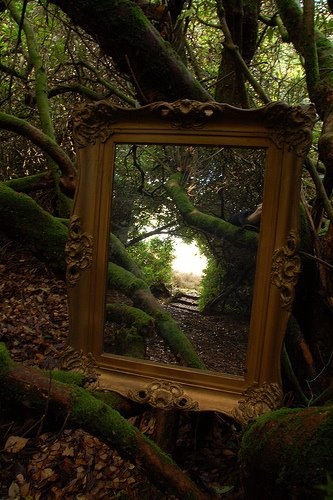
{"x":133,"y":326}
{"x":288,"y":454}
{"x":130,"y":316}
{"x":31,"y":387}
{"x":166,"y":327}
{"x":119,"y":255}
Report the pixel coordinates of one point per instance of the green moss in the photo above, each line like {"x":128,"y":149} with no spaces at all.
{"x":124,"y":280}
{"x":100,"y":418}
{"x":167,"y":328}
{"x":129,"y":343}
{"x":21,"y":217}
{"x":130,"y":316}
{"x":24,"y":183}
{"x":5,"y":360}
{"x":110,"y":398}
{"x":67,"y":377}
{"x":121,"y":257}
{"x":208,"y":223}
{"x":290,"y":449}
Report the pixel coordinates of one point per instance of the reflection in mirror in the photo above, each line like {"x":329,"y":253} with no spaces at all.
{"x":148,"y":213}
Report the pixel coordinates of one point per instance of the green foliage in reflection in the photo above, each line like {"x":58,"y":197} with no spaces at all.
{"x":212,"y":282}
{"x":155,"y":259}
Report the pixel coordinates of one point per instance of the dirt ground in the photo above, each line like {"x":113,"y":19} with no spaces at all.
{"x":40,"y":461}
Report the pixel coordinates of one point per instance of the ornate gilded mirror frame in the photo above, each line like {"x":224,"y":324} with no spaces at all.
{"x":285,"y":134}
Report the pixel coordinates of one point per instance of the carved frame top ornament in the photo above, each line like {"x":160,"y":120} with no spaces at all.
{"x":291,"y":125}
{"x":283,"y":134}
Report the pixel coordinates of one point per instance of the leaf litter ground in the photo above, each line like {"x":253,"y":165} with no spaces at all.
{"x":39,"y":461}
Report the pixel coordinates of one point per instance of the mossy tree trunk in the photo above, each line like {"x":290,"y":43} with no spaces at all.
{"x":239,"y":24}
{"x":288,"y":454}
{"x":206,"y":223}
{"x":317,"y":51}
{"x":124,"y":32}
{"x":46,"y":143}
{"x":41,"y":95}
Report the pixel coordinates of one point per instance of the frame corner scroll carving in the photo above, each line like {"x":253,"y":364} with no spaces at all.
{"x":292,"y":125}
{"x":258,"y":399}
{"x":77,"y":361}
{"x":92,"y":122}
{"x":79,"y":250}
{"x":164,"y":395}
{"x":286,"y":267}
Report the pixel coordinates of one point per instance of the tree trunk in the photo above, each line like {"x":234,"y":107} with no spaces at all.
{"x":98,"y":418}
{"x":317,"y":51}
{"x":241,"y":18}
{"x":123,"y":32}
{"x":44,"y":142}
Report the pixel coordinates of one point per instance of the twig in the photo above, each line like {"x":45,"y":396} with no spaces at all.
{"x":134,"y":78}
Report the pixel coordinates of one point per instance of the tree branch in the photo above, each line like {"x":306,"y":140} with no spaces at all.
{"x":47,"y":145}
{"x":123,"y":32}
{"x":207,"y":223}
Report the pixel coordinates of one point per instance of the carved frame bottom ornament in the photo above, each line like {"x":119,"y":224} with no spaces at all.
{"x":256,"y":399}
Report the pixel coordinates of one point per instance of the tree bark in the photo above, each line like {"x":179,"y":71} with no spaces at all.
{"x":317,"y":51}
{"x":98,"y":418}
{"x":239,"y":23}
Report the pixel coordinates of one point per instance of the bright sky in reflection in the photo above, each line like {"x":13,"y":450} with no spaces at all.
{"x":188,"y":258}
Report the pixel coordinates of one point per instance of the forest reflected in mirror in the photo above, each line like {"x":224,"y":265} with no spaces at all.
{"x":154,"y":186}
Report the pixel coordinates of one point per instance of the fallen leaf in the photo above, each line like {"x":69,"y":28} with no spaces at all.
{"x":14,"y":444}
{"x":14,"y":491}
{"x":47,"y":473}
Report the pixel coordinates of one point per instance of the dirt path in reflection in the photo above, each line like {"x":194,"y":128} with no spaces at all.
{"x":221,"y":341}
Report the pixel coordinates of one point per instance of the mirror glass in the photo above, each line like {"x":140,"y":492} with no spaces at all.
{"x":223,"y":182}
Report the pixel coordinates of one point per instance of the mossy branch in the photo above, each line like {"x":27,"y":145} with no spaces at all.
{"x":288,"y":452}
{"x":40,"y":139}
{"x":124,"y":33}
{"x":40,"y":74}
{"x":41,"y":95}
{"x":118,"y":255}
{"x":208,"y":223}
{"x":22,"y":218}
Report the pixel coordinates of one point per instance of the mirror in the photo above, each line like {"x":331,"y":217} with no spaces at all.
{"x":203,"y":163}
{"x":221,"y":181}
